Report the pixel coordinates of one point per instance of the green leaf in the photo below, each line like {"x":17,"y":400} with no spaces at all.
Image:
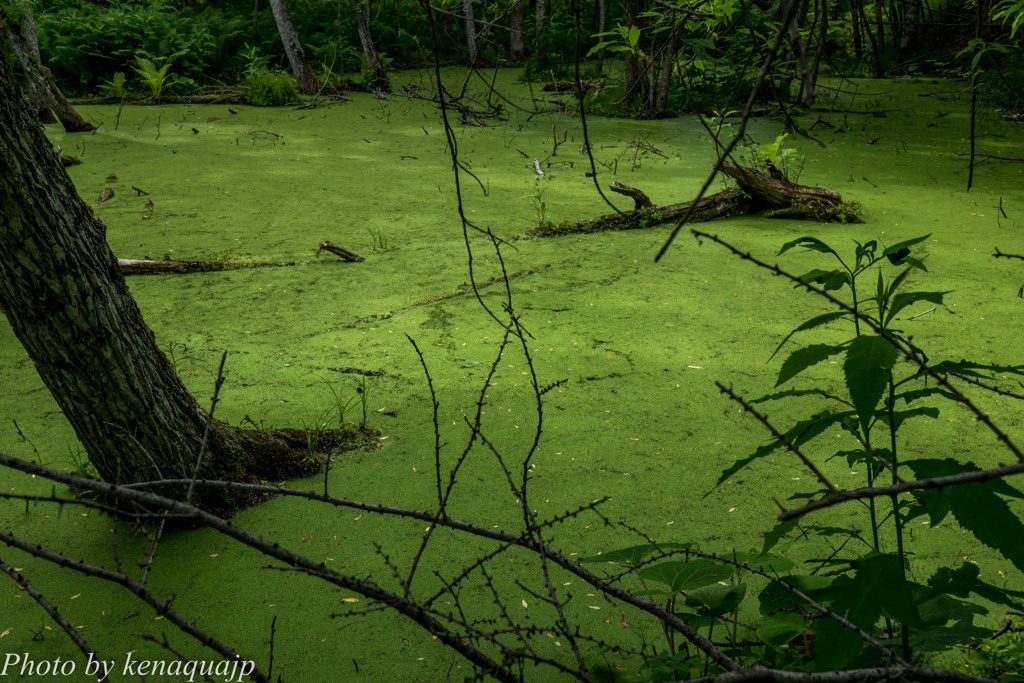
{"x":865,"y":251}
{"x":775,"y":598}
{"x":876,"y":589}
{"x":901,"y":301}
{"x":804,"y":358}
{"x":869,"y":361}
{"x":716,"y":600}
{"x":800,"y":433}
{"x":812,"y":243}
{"x":633,"y":36}
{"x":980,"y":508}
{"x":905,"y":244}
{"x":772,"y":538}
{"x":938,"y":633}
{"x":817,"y":321}
{"x":634,"y":555}
{"x":895,"y":283}
{"x":779,"y":629}
{"x":765,"y":562}
{"x":830,"y":280}
{"x":679,"y":575}
{"x":916,"y":263}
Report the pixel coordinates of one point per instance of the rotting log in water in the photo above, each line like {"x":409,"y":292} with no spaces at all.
{"x":148,"y":266}
{"x":145,"y":266}
{"x":757,"y":191}
{"x":726,"y":203}
{"x":783,"y":198}
{"x":343,"y":253}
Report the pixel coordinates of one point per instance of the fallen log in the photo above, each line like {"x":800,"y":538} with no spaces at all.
{"x":729,"y":202}
{"x":145,"y":266}
{"x":148,"y":266}
{"x":773,"y":194}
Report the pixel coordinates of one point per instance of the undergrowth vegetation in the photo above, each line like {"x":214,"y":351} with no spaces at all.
{"x":853,"y":602}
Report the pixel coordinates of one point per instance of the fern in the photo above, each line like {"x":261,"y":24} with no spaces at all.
{"x":155,"y":76}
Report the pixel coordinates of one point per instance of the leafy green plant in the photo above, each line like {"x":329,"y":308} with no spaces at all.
{"x":82,"y":466}
{"x":270,"y":88}
{"x":785,"y":159}
{"x":115,"y":87}
{"x":341,"y":403}
{"x":172,"y":351}
{"x":536,"y":197}
{"x":155,"y":77}
{"x":1001,"y":656}
{"x":868,"y":607}
{"x":363,"y":392}
{"x":380,"y":241}
{"x":876,"y":400}
{"x":1010,"y":12}
{"x":620,"y":39}
{"x":313,"y":431}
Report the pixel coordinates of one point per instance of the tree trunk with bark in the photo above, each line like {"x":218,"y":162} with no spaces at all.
{"x":911,"y":17}
{"x":667,"y":63}
{"x":374,"y":63}
{"x":638,"y":90}
{"x":20,"y":33}
{"x":305,"y":79}
{"x":602,"y":26}
{"x":469,"y":17}
{"x":540,"y":15}
{"x":516,"y":46}
{"x":67,"y":302}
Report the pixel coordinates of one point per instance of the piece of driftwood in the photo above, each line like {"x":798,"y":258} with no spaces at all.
{"x":770,"y":192}
{"x":343,"y":253}
{"x":145,"y":266}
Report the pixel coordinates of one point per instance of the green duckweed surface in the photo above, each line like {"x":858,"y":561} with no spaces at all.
{"x":640,"y":345}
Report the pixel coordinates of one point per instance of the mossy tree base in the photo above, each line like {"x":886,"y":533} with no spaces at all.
{"x":254,"y":456}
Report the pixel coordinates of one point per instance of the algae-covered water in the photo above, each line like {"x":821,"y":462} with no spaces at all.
{"x":639,"y":344}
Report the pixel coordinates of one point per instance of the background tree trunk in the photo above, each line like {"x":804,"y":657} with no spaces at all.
{"x":470,"y":21}
{"x":46,"y":97}
{"x":374,"y":63}
{"x":67,"y":302}
{"x":667,"y":64}
{"x":516,"y":46}
{"x":911,"y":17}
{"x":540,"y":15}
{"x":637,"y":83}
{"x":306,"y":80}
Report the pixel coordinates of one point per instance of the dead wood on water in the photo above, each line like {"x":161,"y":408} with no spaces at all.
{"x":771,"y":194}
